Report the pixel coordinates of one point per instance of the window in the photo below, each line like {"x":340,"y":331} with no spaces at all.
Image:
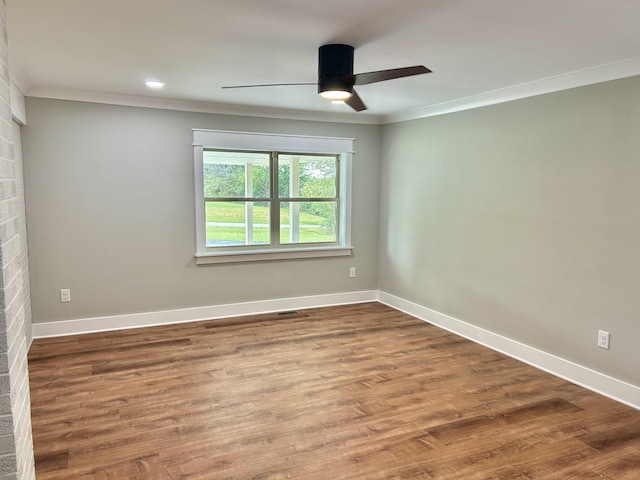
{"x":265,"y":196}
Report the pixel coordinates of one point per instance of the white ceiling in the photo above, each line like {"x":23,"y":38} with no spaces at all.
{"x":481,"y":51}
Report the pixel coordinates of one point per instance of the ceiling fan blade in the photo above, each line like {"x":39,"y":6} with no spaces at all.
{"x":382,"y":75}
{"x":271,"y":85}
{"x":356,"y":102}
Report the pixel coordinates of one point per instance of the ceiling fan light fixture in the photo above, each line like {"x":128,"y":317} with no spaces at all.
{"x":336,"y":80}
{"x":336,"y":94}
{"x":335,"y":67}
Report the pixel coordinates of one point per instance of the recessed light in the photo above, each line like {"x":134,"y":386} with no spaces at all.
{"x":154,"y":84}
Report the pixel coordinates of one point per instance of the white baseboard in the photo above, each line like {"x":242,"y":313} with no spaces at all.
{"x":585,"y":377}
{"x":598,"y":382}
{"x":149,"y":319}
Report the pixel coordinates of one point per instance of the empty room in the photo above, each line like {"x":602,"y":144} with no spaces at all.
{"x":287,"y":239}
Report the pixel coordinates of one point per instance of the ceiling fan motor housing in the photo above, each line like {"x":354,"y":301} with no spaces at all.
{"x":335,"y":68}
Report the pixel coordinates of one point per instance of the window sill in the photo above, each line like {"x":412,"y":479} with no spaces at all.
{"x":266,"y":255}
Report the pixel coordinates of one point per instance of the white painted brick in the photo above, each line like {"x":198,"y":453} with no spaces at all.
{"x":7,"y":168}
{"x":18,"y":370}
{"x":6,"y":125}
{"x":16,"y":444}
{"x":10,"y":250}
{"x":4,"y":106}
{"x":5,"y":385}
{"x":6,"y":149}
{"x":6,"y":424}
{"x":8,"y":209}
{"x":9,"y":228}
{"x":7,"y":444}
{"x":15,"y":334}
{"x":11,"y":268}
{"x":5,"y":91}
{"x":11,"y":290}
{"x":7,"y":188}
{"x":7,"y":464}
{"x":4,"y":75}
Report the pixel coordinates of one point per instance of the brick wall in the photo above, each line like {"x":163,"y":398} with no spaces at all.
{"x":16,"y":446}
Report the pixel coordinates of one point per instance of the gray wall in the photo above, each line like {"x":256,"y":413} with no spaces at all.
{"x":110,"y":209}
{"x":524,"y":219}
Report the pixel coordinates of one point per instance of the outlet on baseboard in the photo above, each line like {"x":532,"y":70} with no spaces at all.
{"x":603,"y":339}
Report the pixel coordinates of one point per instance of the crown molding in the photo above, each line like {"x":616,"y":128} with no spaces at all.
{"x":200,"y":107}
{"x":612,"y":71}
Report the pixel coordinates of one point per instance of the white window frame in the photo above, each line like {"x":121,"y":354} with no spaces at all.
{"x":221,"y":139}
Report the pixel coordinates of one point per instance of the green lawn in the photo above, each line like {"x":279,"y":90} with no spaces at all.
{"x":233,"y":213}
{"x":229,"y":212}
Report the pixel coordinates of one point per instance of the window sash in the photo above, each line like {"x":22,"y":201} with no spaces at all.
{"x":275,"y":202}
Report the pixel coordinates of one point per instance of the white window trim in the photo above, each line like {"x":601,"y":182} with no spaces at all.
{"x":271,"y":142}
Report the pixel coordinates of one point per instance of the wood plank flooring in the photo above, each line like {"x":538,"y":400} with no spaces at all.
{"x":349,"y":392}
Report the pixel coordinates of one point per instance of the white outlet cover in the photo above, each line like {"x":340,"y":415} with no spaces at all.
{"x":65,"y":295}
{"x":603,"y":339}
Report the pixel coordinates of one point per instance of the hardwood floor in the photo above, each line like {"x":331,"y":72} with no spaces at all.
{"x":349,"y":392}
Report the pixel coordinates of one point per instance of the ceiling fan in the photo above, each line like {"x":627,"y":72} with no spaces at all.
{"x":336,"y":78}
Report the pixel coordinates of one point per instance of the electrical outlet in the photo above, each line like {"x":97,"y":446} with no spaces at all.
{"x":603,"y":339}
{"x":65,"y":295}
{"x":352,"y":272}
